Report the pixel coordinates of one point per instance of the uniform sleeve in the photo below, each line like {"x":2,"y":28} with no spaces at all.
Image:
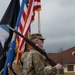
{"x":50,"y":71}
{"x":27,"y":64}
{"x":40,"y":66}
{"x":38,"y":63}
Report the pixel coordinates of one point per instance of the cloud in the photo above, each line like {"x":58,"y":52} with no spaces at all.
{"x":68,"y":2}
{"x":57,"y":23}
{"x":3,"y":6}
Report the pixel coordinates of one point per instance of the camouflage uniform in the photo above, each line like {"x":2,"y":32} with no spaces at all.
{"x":18,"y":69}
{"x":34,"y":63}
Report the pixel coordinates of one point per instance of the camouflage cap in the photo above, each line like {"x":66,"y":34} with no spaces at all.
{"x":34,"y":36}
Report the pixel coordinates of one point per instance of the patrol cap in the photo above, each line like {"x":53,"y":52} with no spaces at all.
{"x":36,"y":35}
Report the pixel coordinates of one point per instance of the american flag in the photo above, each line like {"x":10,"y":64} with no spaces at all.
{"x":26,"y":19}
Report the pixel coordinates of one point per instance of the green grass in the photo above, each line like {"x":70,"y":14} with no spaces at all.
{"x":67,"y":74}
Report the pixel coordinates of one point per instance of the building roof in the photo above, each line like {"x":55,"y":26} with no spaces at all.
{"x":64,"y":57}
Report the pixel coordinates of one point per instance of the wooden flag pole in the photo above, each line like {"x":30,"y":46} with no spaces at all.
{"x":29,"y":32}
{"x":39,"y":22}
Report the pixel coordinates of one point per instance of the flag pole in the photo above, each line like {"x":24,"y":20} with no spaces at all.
{"x":29,"y":32}
{"x":39,"y":27}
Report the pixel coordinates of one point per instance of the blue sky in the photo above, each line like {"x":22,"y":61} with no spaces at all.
{"x":57,"y":20}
